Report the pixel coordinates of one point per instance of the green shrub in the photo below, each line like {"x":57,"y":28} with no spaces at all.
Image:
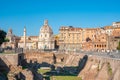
{"x":109,"y":69}
{"x":118,"y":48}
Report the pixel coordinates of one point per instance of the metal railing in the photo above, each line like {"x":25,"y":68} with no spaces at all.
{"x":15,"y":50}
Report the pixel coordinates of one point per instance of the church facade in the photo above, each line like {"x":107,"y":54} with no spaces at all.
{"x":45,"y":40}
{"x":12,"y":40}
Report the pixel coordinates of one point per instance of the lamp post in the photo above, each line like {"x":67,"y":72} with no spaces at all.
{"x":108,"y":39}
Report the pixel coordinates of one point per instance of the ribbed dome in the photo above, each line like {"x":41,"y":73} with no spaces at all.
{"x":46,"y":28}
{"x":46,"y":40}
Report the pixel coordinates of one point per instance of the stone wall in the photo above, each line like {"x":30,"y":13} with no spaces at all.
{"x":93,"y":68}
{"x":39,"y":57}
{"x":10,"y":58}
{"x":101,"y":68}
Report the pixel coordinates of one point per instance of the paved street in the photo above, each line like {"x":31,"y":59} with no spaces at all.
{"x":114,"y":55}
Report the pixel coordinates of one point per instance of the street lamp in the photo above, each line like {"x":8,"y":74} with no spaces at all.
{"x":108,"y":39}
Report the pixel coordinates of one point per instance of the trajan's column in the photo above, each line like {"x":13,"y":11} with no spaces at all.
{"x":24,"y":37}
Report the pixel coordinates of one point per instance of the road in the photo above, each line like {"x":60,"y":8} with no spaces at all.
{"x":113,"y":55}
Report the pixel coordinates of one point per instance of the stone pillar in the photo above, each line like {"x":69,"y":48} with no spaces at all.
{"x":24,"y":37}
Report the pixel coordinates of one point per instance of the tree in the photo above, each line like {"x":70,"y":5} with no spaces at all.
{"x":2,"y":36}
{"x":6,"y":40}
{"x":118,"y":48}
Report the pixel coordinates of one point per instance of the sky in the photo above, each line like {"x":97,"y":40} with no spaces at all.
{"x":16,"y":14}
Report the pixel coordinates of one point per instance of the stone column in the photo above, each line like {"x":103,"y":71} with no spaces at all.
{"x":24,"y":37}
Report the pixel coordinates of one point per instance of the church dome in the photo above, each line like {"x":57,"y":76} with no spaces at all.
{"x":10,"y":31}
{"x":46,"y":40}
{"x":46,"y":28}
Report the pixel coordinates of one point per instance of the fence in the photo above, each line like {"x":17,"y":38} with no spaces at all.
{"x":15,"y":50}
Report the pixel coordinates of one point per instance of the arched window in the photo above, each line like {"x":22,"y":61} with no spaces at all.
{"x":105,"y":45}
{"x":97,"y":45}
{"x":102,"y":45}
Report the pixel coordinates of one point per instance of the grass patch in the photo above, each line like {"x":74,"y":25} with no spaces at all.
{"x":63,"y":74}
{"x":65,"y":78}
{"x":42,"y":71}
